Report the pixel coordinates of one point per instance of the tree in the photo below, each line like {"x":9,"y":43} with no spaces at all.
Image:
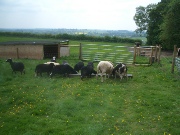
{"x":170,"y":34}
{"x":141,"y":17}
{"x":156,"y":18}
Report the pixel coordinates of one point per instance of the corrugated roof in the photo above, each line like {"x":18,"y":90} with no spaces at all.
{"x":32,"y":42}
{"x":27,"y":43}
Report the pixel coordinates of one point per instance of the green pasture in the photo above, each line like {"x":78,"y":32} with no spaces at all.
{"x":116,"y":53}
{"x":144,"y":105}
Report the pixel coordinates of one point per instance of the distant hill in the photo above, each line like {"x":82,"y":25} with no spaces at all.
{"x":90,"y":32}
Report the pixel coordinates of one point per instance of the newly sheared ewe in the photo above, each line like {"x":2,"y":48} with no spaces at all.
{"x":104,"y":67}
{"x":41,"y":68}
{"x":86,"y":71}
{"x":78,"y":66}
{"x":63,"y":69}
{"x":16,"y":66}
{"x":53,"y":63}
{"x":120,"y":70}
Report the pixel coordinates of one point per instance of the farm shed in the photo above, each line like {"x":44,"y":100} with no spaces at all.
{"x":33,"y":50}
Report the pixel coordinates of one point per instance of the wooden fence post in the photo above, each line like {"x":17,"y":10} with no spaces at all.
{"x":151,"y":56}
{"x":173,"y":60}
{"x":156,"y":49}
{"x":59,"y":50}
{"x":17,"y":52}
{"x":134,"y":59}
{"x":159,"y":54}
{"x":80,"y":51}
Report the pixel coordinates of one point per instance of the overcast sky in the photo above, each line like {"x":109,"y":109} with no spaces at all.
{"x":70,"y":14}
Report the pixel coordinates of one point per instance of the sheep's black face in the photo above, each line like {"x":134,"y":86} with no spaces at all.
{"x":9,"y":60}
{"x":123,"y":69}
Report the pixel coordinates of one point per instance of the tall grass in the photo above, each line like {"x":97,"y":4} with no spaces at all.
{"x":146,"y":104}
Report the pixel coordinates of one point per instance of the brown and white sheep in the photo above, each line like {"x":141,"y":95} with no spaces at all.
{"x":120,"y":70}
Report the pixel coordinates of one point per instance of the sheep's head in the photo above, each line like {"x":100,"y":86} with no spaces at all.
{"x":9,"y":60}
{"x":122,"y":69}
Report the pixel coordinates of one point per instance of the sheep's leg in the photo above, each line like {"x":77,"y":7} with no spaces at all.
{"x":101,"y":77}
{"x":121,"y":77}
{"x":50,"y":74}
{"x":126,"y":76}
{"x":116,"y":74}
{"x":35,"y":74}
{"x":97,"y":75}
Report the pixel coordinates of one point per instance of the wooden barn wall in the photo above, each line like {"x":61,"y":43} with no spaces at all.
{"x":64,"y":51}
{"x":22,"y":51}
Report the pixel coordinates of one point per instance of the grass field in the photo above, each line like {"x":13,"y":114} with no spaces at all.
{"x":149,"y":103}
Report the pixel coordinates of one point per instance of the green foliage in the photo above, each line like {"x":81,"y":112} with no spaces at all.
{"x":171,"y":26}
{"x":81,"y":37}
{"x":141,"y":17}
{"x":161,"y":22}
{"x":156,"y":19}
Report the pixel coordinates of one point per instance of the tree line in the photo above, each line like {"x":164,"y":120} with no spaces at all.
{"x":161,"y":22}
{"x":65,"y":36}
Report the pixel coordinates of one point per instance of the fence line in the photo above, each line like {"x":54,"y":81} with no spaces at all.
{"x":119,"y":54}
{"x":152,"y":52}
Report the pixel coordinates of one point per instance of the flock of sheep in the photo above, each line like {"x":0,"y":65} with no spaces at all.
{"x":104,"y":68}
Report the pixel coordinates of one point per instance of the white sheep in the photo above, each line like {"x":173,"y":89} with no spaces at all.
{"x":104,"y":68}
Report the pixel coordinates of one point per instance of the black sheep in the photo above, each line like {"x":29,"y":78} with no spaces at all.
{"x":16,"y":66}
{"x":87,"y":71}
{"x":63,"y":69}
{"x":41,"y":68}
{"x":78,"y":66}
{"x":91,"y":64}
{"x":65,"y":63}
{"x":178,"y":52}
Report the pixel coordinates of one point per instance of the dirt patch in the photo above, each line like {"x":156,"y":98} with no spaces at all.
{"x":166,"y":53}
